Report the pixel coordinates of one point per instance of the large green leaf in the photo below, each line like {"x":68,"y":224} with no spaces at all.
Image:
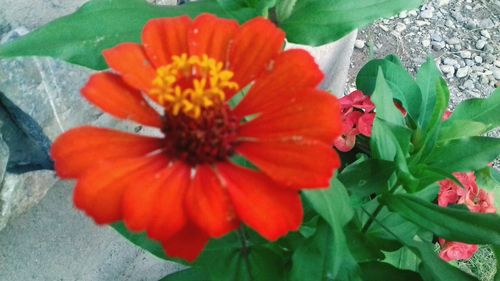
{"x":450,"y":223}
{"x":464,"y":154}
{"x":486,"y":111}
{"x":317,"y":22}
{"x":382,"y":97}
{"x":243,"y":10}
{"x":100,"y":24}
{"x":367,"y":177}
{"x":402,"y":85}
{"x":361,"y":245}
{"x":403,"y":258}
{"x":460,"y":129}
{"x":377,"y":271}
{"x":189,"y":274}
{"x":427,"y":78}
{"x":334,"y":207}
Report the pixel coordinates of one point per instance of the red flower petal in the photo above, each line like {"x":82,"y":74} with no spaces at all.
{"x":210,"y":36}
{"x":108,"y":92}
{"x":209,"y":205}
{"x":168,"y":208}
{"x":164,"y":38}
{"x":139,"y":200}
{"x":254,"y":46}
{"x":365,"y":124}
{"x":297,"y":164}
{"x":187,"y":244}
{"x":130,"y":61}
{"x":292,"y":72}
{"x":99,"y":191}
{"x":262,"y":204}
{"x":78,"y":149}
{"x":345,"y":143}
{"x":313,"y":115}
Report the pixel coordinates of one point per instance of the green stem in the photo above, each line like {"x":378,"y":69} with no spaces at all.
{"x":375,"y":213}
{"x":245,"y":249}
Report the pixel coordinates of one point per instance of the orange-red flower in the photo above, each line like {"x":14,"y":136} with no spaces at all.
{"x":183,"y":187}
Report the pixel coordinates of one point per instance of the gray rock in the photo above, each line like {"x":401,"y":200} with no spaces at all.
{"x":359,"y":44}
{"x":465,"y":54}
{"x":462,"y":72}
{"x":449,"y":61}
{"x":426,"y":43}
{"x":426,"y":14}
{"x":496,"y":73}
{"x":485,"y":33}
{"x":400,"y":27}
{"x":438,"y":45}
{"x":486,"y":23}
{"x":480,"y":44}
{"x":20,"y":192}
{"x":4,"y":157}
{"x":403,"y":14}
{"x":448,"y":69}
{"x":469,"y":84}
{"x":453,"y":41}
{"x":478,"y":59}
{"x":497,"y":63}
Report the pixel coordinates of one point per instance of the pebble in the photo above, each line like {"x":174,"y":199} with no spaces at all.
{"x":359,"y":44}
{"x":422,"y":22}
{"x":448,"y":69}
{"x":453,"y":41}
{"x":442,"y":2}
{"x":465,"y":54}
{"x":438,"y":45}
{"x":485,"y":33}
{"x":462,"y":72}
{"x":426,"y":14}
{"x":449,"y":61}
{"x":413,"y":13}
{"x":497,"y":63}
{"x":480,"y":44}
{"x":490,"y":58}
{"x":383,"y":27}
{"x":400,"y":27}
{"x":496,"y":73}
{"x":449,"y":23}
{"x":478,"y":59}
{"x":403,"y":15}
{"x":469,"y":84}
{"x":486,"y":23}
{"x":469,"y":62}
{"x":426,"y":43}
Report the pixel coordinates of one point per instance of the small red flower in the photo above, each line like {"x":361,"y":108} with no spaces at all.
{"x":451,"y":250}
{"x":182,"y":187}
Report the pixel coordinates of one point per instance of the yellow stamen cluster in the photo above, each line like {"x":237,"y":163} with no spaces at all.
{"x":189,"y":84}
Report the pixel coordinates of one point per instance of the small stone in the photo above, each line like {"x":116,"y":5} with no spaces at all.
{"x":485,"y":33}
{"x":436,"y":36}
{"x":462,"y":72}
{"x":359,"y":44}
{"x":383,"y":27}
{"x":442,"y":2}
{"x":469,"y":63}
{"x":471,"y":24}
{"x":400,"y":27}
{"x":413,"y":13}
{"x":453,"y":41}
{"x":497,"y":63}
{"x":465,"y":54}
{"x":449,"y":61}
{"x":486,"y":23}
{"x":496,"y":73}
{"x":438,"y":45}
{"x":478,"y":59}
{"x":489,"y":58}
{"x":426,"y":43}
{"x":480,"y":44}
{"x":426,"y":14}
{"x":448,"y":69}
{"x":422,"y":22}
{"x":469,"y":84}
{"x":449,"y":23}
{"x":403,"y":15}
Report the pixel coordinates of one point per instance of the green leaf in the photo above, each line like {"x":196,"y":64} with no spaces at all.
{"x":465,"y":154}
{"x":244,"y":10}
{"x":189,"y":274}
{"x":400,"y":82}
{"x":496,"y":250}
{"x":382,"y":97}
{"x":81,"y":37}
{"x":284,"y":9}
{"x":450,"y":223}
{"x":427,"y":78}
{"x":334,"y":207}
{"x":460,"y":129}
{"x":488,"y":178}
{"x":403,"y":258}
{"x":376,"y":271}
{"x":389,"y":141}
{"x":317,"y":22}
{"x":367,"y":177}
{"x":142,"y":240}
{"x":361,"y":245}
{"x":485,"y":111}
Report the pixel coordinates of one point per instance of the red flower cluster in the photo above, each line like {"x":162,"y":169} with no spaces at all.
{"x":183,"y":188}
{"x":357,"y":118}
{"x":477,"y":201}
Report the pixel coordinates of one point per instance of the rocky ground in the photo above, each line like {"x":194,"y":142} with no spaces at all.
{"x":462,"y":35}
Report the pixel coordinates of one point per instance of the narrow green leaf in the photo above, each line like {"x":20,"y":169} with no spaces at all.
{"x":427,"y":77}
{"x":465,"y":154}
{"x":403,"y":258}
{"x":377,"y":271}
{"x":284,"y":9}
{"x":81,"y":37}
{"x":361,"y":245}
{"x":460,"y":129}
{"x":189,"y":274}
{"x":382,"y":97}
{"x":486,"y":111}
{"x":402,"y":85}
{"x":450,"y":223}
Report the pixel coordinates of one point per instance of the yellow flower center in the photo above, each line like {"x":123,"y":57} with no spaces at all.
{"x":191,"y":83}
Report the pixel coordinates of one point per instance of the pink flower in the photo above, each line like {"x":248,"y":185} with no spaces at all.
{"x":357,"y":100}
{"x":451,"y":250}
{"x":452,"y":193}
{"x":482,"y":203}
